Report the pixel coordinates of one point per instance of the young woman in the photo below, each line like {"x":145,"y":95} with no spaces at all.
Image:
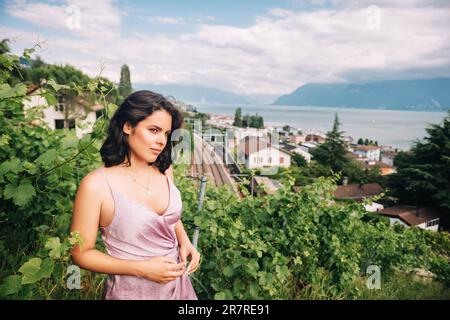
{"x":134,"y":201}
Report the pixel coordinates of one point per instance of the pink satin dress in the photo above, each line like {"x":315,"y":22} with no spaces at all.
{"x":137,"y":233}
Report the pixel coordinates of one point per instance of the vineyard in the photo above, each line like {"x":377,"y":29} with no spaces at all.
{"x":301,"y":245}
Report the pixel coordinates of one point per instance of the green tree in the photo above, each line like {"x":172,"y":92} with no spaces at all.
{"x":238,"y":118}
{"x":423,"y":173}
{"x":299,"y":160}
{"x":360,"y":141}
{"x":125,"y":87}
{"x":332,"y":152}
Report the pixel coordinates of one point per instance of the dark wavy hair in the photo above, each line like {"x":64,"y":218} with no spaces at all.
{"x":135,"y":108}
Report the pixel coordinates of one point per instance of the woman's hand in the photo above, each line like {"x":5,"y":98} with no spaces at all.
{"x":160,"y":269}
{"x":187,"y":250}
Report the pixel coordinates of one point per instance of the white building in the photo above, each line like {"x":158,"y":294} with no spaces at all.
{"x":290,"y":148}
{"x":368,"y":152}
{"x":257,"y":152}
{"x":388,"y":157}
{"x":235,"y":135}
{"x":424,"y":218}
{"x":82,"y":122}
{"x":308,"y":146}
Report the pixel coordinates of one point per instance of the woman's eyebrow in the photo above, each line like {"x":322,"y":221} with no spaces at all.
{"x":154,"y":125}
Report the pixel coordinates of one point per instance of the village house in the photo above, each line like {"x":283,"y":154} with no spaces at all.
{"x":297,"y":139}
{"x":359,"y":192}
{"x":257,"y":152}
{"x":79,"y":115}
{"x":291,"y":148}
{"x":424,"y":217}
{"x":367,"y":152}
{"x":388,"y":157}
{"x":385,"y":169}
{"x":308,"y":146}
{"x":235,"y":135}
{"x":316,"y":138}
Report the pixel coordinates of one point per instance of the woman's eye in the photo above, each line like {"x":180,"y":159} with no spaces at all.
{"x":153,"y":130}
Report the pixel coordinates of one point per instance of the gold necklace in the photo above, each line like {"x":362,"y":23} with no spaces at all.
{"x":147,"y":191}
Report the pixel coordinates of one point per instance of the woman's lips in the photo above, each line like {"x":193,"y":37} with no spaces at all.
{"x":156,"y":151}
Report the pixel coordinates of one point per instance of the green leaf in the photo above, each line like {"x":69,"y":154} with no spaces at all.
{"x":34,"y":270}
{"x":9,"y":191}
{"x":11,"y":285}
{"x":52,"y":83}
{"x":50,"y":98}
{"x":219,"y":296}
{"x":46,"y":268}
{"x":54,"y":245}
{"x":30,"y":271}
{"x":47,"y":158}
{"x":228,"y":271}
{"x":10,"y":165}
{"x":69,"y":142}
{"x":24,"y":193}
{"x":20,"y":89}
{"x":6,"y":91}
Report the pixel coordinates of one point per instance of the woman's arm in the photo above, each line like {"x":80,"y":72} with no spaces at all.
{"x":179,"y":228}
{"x":186,"y":247}
{"x":85,"y":220}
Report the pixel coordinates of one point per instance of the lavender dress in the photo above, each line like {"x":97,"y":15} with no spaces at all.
{"x":137,"y":233}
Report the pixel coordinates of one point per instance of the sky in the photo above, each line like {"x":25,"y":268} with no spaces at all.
{"x":249,"y":47}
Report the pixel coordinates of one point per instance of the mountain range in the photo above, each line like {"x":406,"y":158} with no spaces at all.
{"x":423,"y":95}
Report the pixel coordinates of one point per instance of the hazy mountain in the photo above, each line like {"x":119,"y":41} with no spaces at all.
{"x":194,"y":94}
{"x":427,"y":95}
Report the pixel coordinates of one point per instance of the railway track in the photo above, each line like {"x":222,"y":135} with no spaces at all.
{"x":207,"y":162}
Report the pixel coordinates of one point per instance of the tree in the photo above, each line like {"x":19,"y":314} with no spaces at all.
{"x":423,"y":173}
{"x":360,"y":141}
{"x":125,"y":88}
{"x":238,"y":118}
{"x":287,"y":128}
{"x":299,"y":160}
{"x":332,"y":152}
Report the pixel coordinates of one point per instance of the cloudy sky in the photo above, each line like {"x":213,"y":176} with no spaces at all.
{"x":248,"y":47}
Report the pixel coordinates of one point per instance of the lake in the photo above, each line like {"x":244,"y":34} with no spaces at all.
{"x":389,"y":127}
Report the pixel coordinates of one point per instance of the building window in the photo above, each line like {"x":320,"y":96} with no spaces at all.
{"x":432,"y":222}
{"x":270,"y":159}
{"x":281,"y":160}
{"x":60,"y":104}
{"x":71,"y":123}
{"x":59,"y":123}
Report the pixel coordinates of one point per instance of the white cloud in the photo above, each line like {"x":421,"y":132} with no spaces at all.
{"x":78,"y":17}
{"x":279,"y":52}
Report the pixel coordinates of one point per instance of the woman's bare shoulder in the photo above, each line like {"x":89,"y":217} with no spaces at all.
{"x":94,"y":182}
{"x":169,"y":172}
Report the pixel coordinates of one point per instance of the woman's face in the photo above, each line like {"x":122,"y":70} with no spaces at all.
{"x":149,"y":137}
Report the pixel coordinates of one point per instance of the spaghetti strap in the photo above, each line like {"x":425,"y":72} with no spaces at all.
{"x":106,"y":179}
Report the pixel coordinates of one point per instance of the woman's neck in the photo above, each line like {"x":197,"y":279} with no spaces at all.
{"x":138,"y":166}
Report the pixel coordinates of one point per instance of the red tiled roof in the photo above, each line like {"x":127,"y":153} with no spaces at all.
{"x":357,"y":191}
{"x":366,"y":148}
{"x":409,"y":214}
